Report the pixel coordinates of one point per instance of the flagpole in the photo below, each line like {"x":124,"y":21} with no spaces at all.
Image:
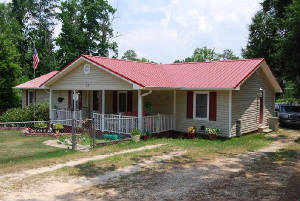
{"x":34,"y":87}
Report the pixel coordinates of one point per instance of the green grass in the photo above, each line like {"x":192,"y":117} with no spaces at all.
{"x":19,"y":152}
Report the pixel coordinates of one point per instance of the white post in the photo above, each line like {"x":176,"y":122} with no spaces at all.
{"x":50,"y":105}
{"x":229,"y":113}
{"x":140,"y":110}
{"x":174,"y":111}
{"x":103,"y":109}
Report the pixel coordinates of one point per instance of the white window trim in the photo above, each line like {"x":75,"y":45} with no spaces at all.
{"x":122,"y":92}
{"x":194,"y":105}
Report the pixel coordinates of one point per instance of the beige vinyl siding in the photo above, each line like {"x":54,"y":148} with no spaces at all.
{"x":182,"y":123}
{"x":42,"y":96}
{"x":97,"y":79}
{"x":60,"y":93}
{"x":245,"y":103}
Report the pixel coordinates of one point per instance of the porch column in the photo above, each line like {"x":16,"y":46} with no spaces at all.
{"x":174,"y":110}
{"x":140,"y":110}
{"x":103,"y":109}
{"x":50,"y":105}
{"x":229,"y":112}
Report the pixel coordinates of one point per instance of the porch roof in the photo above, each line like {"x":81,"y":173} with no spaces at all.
{"x":37,"y":82}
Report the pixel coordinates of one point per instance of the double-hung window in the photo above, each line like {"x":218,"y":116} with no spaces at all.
{"x":201,"y":105}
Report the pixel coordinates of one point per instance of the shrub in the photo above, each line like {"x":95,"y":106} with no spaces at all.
{"x":58,"y":126}
{"x":34,"y":112}
{"x":135,"y":132}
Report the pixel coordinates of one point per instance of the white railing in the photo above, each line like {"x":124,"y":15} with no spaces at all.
{"x":125,"y":124}
{"x":65,"y":116}
{"x":158,"y":123}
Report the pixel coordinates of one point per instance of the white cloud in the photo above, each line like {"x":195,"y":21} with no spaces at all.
{"x":185,"y":25}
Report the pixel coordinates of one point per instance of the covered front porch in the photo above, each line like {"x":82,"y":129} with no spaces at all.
{"x":118,"y":111}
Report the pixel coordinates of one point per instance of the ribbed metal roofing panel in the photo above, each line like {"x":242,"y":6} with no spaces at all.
{"x":37,"y":82}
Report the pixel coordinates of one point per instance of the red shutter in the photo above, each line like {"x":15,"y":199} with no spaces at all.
{"x":129,"y":101}
{"x":100,"y":102}
{"x":26,"y":91}
{"x":69,"y":99}
{"x":80,"y":100}
{"x":212,"y":106}
{"x":115,"y":102}
{"x":189,"y":104}
{"x":34,"y":96}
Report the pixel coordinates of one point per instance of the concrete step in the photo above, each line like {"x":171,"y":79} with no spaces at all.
{"x":267,"y":130}
{"x":261,"y":128}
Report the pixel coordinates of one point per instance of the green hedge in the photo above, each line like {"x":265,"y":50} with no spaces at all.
{"x":41,"y":112}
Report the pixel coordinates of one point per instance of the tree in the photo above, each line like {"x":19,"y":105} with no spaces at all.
{"x":204,"y":54}
{"x":10,"y":69}
{"x":36,"y":19}
{"x":208,"y":54}
{"x":227,"y":55}
{"x":274,"y":35}
{"x":86,"y":29}
{"x":130,"y":55}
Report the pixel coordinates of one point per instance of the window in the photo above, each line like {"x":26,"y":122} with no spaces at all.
{"x":201,"y":105}
{"x":96,"y":100}
{"x":122,"y":101}
{"x":30,"y":97}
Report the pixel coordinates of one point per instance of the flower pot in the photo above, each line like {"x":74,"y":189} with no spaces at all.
{"x":191,"y":135}
{"x":144,"y":137}
{"x":136,"y":138}
{"x":212,"y":136}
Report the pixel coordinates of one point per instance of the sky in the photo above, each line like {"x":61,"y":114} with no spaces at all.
{"x":166,"y":30}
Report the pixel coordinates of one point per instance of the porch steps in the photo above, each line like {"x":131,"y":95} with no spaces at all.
{"x":264,"y":129}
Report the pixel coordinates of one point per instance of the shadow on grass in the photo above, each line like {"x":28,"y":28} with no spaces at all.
{"x":90,"y":169}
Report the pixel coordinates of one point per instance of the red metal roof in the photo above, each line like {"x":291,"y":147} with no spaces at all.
{"x":215,"y":74}
{"x":37,"y":82}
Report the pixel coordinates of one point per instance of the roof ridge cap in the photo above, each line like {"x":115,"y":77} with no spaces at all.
{"x":230,"y":60}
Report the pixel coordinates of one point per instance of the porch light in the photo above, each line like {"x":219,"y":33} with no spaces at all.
{"x":260,"y":92}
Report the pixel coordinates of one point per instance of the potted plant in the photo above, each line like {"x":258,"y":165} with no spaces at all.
{"x":144,"y":136}
{"x":191,"y":132}
{"x":58,"y":127}
{"x":212,"y":133}
{"x":136,"y":135}
{"x":42,"y":127}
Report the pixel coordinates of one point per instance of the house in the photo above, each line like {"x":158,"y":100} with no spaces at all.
{"x":236,"y":96}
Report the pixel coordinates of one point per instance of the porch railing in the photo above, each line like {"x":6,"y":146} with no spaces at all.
{"x":65,"y":116}
{"x":126,"y":124}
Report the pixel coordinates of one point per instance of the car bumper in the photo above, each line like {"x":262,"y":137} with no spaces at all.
{"x":290,"y":122}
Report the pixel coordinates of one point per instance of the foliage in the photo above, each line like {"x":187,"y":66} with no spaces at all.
{"x":10,"y":69}
{"x":214,"y":131}
{"x":208,"y":54}
{"x":34,"y":112}
{"x":132,"y":55}
{"x":58,"y":126}
{"x":274,"y":35}
{"x":41,"y":125}
{"x":287,"y":100}
{"x":192,"y":129}
{"x":86,"y":29}
{"x":135,"y":132}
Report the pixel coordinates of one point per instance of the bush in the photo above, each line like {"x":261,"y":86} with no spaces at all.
{"x":41,"y":112}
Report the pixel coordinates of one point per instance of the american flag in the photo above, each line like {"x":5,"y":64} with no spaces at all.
{"x":36,"y":59}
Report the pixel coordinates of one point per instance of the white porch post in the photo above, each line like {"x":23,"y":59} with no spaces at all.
{"x":50,"y":105}
{"x":229,"y":113}
{"x":140,"y":110}
{"x":103,"y":109}
{"x":174,"y":110}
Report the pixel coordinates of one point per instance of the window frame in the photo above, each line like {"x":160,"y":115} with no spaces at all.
{"x":194,"y":105}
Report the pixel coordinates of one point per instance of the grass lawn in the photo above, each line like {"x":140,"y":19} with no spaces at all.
{"x":19,"y":152}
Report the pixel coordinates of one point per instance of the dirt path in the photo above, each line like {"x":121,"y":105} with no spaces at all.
{"x":52,"y":189}
{"x":73,"y":163}
{"x":235,"y":178}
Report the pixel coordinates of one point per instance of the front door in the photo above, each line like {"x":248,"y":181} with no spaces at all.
{"x":122,"y":102}
{"x":261,"y":109}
